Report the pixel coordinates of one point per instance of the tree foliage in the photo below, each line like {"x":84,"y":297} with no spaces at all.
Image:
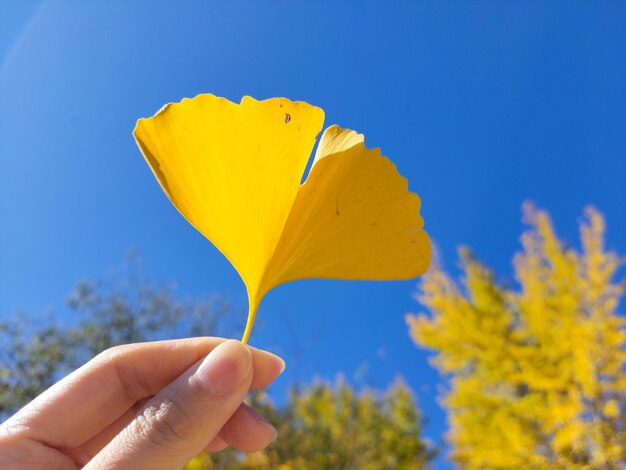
{"x":29,"y":364}
{"x":328,"y":426}
{"x":536,"y":371}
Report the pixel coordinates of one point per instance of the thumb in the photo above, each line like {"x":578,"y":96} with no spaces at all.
{"x":187,"y":414}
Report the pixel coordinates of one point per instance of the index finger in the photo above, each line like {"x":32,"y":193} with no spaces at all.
{"x":92,"y":397}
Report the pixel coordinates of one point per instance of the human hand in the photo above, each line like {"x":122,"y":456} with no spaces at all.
{"x":148,"y":405}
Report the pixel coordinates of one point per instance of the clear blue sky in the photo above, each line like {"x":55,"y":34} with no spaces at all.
{"x":482,"y":105}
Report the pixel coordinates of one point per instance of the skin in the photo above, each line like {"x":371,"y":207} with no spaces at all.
{"x":145,"y":406}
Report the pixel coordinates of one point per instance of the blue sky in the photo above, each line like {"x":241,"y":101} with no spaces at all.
{"x":482,"y":105}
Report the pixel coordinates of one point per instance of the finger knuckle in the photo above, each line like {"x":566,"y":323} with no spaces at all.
{"x":113,"y":353}
{"x":116,"y":359}
{"x":164,"y":423}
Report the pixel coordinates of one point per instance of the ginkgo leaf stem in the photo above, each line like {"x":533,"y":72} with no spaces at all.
{"x":252,"y":309}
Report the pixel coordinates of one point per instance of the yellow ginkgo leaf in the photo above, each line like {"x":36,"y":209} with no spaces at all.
{"x":234,"y":172}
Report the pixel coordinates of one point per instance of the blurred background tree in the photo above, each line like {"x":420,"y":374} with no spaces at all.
{"x":331,"y":426}
{"x":324,"y":426}
{"x":536,"y":372}
{"x":122,"y":308}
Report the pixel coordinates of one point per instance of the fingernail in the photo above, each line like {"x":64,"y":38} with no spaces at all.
{"x":282,"y":361}
{"x":225,"y":368}
{"x":275,"y":356}
{"x":282,"y":365}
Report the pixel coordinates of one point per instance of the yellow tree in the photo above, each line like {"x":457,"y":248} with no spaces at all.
{"x":536,"y":370}
{"x":327,"y":427}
